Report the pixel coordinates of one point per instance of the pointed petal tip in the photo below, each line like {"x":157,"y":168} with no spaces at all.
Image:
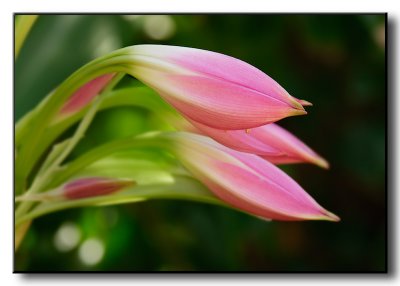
{"x":295,"y":112}
{"x":295,"y":103}
{"x":327,"y":215}
{"x":305,"y":102}
{"x":331,"y":216}
{"x":323,"y":214}
{"x":299,"y":103}
{"x":321,"y":162}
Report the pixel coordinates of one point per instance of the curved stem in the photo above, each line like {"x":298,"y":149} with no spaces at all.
{"x":56,"y":176}
{"x":183,"y":187}
{"x":30,"y":153}
{"x":132,"y":96}
{"x":152,"y":140}
{"x":43,"y":178}
{"x":45,"y":174}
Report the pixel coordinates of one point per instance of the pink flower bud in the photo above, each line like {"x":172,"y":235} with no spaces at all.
{"x":246,"y":181}
{"x":211,"y":88}
{"x":93,"y":186}
{"x":85,"y":94}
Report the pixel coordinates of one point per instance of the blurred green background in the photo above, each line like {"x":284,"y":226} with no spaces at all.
{"x":335,"y":61}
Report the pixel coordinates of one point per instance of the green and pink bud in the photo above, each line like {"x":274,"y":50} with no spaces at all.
{"x":246,"y":181}
{"x":85,"y":94}
{"x":82,"y":188}
{"x":211,"y":88}
{"x":94,"y":187}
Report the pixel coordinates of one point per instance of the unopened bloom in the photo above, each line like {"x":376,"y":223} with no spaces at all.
{"x":270,"y":141}
{"x":93,"y":187}
{"x":211,"y":88}
{"x":246,"y":181}
{"x":85,"y":94}
{"x":81,"y":188}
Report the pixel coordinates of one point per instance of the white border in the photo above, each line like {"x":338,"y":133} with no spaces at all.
{"x":204,"y":6}
{"x":7,"y":8}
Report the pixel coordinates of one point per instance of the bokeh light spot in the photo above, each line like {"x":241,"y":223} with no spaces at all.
{"x":159,"y":27}
{"x":67,"y":237}
{"x":104,"y":40}
{"x":91,"y":251}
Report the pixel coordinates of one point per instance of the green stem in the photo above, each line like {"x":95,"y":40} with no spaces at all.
{"x":152,"y":140}
{"x":23,"y":24}
{"x":183,"y":187}
{"x":29,"y":153}
{"x":63,"y":174}
{"x":114,"y":81}
{"x":79,"y":133}
{"x":45,"y":174}
{"x":43,"y":178}
{"x":133,"y":96}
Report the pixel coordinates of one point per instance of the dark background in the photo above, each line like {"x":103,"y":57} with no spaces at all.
{"x":335,"y":61}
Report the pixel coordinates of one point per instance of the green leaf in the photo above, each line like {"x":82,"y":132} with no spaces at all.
{"x":23,"y":24}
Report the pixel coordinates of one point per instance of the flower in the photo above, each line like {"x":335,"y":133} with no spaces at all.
{"x":94,"y":186}
{"x":246,"y":181}
{"x":211,"y":88}
{"x":270,"y":141}
{"x":81,"y":188}
{"x":85,"y":94}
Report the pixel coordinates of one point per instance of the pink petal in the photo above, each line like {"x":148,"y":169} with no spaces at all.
{"x":304,"y":102}
{"x":264,"y":198}
{"x":246,"y":181}
{"x":294,"y":149}
{"x":216,"y":65}
{"x":211,"y":88}
{"x":85,"y":94}
{"x":217,"y":103}
{"x":271,"y":142}
{"x":240,"y":140}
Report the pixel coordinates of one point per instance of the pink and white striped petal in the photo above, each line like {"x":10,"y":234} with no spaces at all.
{"x":271,"y":142}
{"x":211,"y":88}
{"x":246,"y":181}
{"x":216,"y":65}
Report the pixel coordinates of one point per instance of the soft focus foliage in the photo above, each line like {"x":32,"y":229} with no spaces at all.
{"x":336,"y":62}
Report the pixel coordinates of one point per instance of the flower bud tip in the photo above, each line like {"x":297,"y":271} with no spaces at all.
{"x":305,"y":102}
{"x":321,"y":162}
{"x":331,"y":216}
{"x":296,"y":112}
